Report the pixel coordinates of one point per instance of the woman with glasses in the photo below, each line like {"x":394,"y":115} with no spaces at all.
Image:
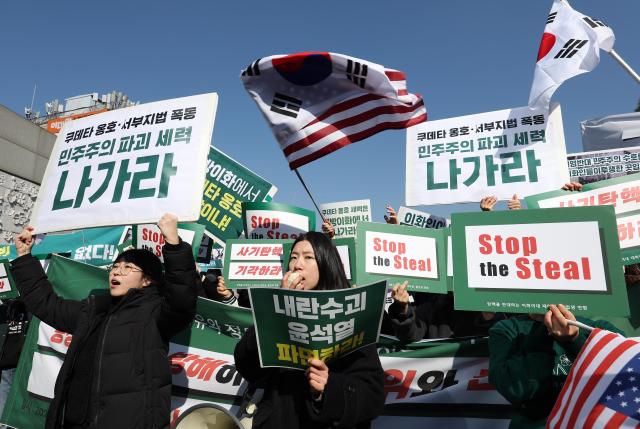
{"x":116,"y":373}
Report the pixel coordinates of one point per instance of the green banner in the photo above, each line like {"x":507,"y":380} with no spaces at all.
{"x":251,"y":263}
{"x":228,"y":183}
{"x":523,"y":260}
{"x":400,"y":253}
{"x":276,"y":221}
{"x":294,"y":326}
{"x":623,"y":193}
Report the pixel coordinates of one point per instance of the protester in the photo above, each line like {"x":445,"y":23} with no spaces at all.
{"x":214,"y":288}
{"x":391,"y":216}
{"x":487,"y":203}
{"x":327,"y":228}
{"x":530,"y":357}
{"x":116,"y":373}
{"x":344,"y":393}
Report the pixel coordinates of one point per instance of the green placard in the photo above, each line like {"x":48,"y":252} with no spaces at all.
{"x":400,"y":253}
{"x":252,"y":263}
{"x":621,"y":192}
{"x":227,"y":184}
{"x":346,"y":249}
{"x":8,"y":288}
{"x":276,"y":221}
{"x":523,"y":260}
{"x":294,"y":326}
{"x":149,"y":236}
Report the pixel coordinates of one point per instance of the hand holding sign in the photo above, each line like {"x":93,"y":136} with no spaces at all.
{"x":487,"y":203}
{"x":318,"y":375}
{"x":400,"y":295}
{"x":572,"y":186}
{"x":24,"y":241}
{"x":514,"y":203}
{"x":168,"y":224}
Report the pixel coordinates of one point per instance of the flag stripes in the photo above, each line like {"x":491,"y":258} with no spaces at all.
{"x":283,"y":102}
{"x":570,"y":48}
{"x":253,"y":69}
{"x":551,"y":17}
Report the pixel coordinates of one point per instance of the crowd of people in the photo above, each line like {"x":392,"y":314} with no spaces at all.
{"x":116,"y":373}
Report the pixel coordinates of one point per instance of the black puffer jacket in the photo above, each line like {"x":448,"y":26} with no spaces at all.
{"x":131,"y":377}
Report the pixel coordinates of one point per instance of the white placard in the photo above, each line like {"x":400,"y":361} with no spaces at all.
{"x":411,"y":217}
{"x":150,"y":237}
{"x":563,"y":256}
{"x":401,"y":255}
{"x":255,"y":270}
{"x":128,"y":166}
{"x":344,"y":216}
{"x":343,"y":251}
{"x":274,"y":224}
{"x":256,"y":252}
{"x":502,"y":153}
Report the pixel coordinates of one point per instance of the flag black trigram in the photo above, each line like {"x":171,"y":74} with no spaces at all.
{"x":551,"y":17}
{"x":286,"y":105}
{"x":570,"y":48}
{"x":253,"y":69}
{"x":594,"y":23}
{"x":357,"y":72}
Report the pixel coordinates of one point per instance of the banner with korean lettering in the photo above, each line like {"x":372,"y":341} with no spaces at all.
{"x":623,"y":193}
{"x":148,"y":236}
{"x":7,"y":288}
{"x":346,"y":248}
{"x":589,"y":167}
{"x":228,"y":183}
{"x":276,"y":221}
{"x":411,"y":217}
{"x":95,"y":246}
{"x":128,"y":166}
{"x":513,"y":151}
{"x":400,"y":253}
{"x":344,"y":216}
{"x":251,"y":263}
{"x":293,"y":326}
{"x":520,"y":261}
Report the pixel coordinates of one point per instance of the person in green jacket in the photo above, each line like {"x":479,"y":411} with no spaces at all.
{"x":530,"y":358}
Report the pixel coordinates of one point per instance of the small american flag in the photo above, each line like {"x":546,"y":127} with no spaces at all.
{"x":318,"y":102}
{"x":602,"y":389}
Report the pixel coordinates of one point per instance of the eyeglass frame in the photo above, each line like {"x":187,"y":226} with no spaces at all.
{"x":128,"y":268}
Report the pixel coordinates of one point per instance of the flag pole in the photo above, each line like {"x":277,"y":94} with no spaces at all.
{"x":624,"y":65}
{"x":580,"y":325}
{"x":308,"y":193}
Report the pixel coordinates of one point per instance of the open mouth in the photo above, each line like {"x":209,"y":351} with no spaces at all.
{"x":114,"y":283}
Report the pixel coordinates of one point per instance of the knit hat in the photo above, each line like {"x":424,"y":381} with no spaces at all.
{"x":147,"y":261}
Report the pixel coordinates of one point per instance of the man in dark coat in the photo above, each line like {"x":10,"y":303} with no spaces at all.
{"x":116,"y":373}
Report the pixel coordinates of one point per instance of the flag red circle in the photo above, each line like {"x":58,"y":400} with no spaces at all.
{"x":546,"y":44}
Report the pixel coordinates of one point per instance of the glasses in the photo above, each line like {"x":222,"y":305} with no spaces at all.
{"x":124,"y":269}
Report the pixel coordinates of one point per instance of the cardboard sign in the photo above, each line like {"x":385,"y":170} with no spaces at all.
{"x":522,"y":261}
{"x":513,"y":151}
{"x":228,"y":183}
{"x":251,"y":263}
{"x":589,"y":167}
{"x":128,"y":166}
{"x":411,"y":217}
{"x":400,"y":253}
{"x":148,"y":236}
{"x":293,"y":326}
{"x":345,"y":215}
{"x":623,"y":193}
{"x":276,"y":221}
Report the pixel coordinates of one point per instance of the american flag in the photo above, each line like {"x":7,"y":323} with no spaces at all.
{"x":318,"y":102}
{"x":602,"y":389}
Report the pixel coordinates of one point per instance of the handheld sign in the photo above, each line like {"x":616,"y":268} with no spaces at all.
{"x":522,"y":261}
{"x":148,"y":236}
{"x":512,"y":151}
{"x":250,"y":263}
{"x":128,"y":166}
{"x":228,"y":183}
{"x":623,"y":193}
{"x":293,"y":326}
{"x":589,"y":167}
{"x":400,"y":253}
{"x":7,"y":290}
{"x":411,"y":217}
{"x":276,"y":221}
{"x":345,"y":215}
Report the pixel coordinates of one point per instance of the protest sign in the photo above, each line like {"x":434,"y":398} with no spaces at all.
{"x":588,"y":167}
{"x":400,"y":253}
{"x":148,"y":236}
{"x":513,"y":151}
{"x":521,"y":261}
{"x":346,"y":248}
{"x":279,"y":221}
{"x":411,"y":217}
{"x":447,"y":232}
{"x":293,"y":326}
{"x":345,"y":215}
{"x":7,"y":289}
{"x":623,"y":193}
{"x":250,"y":263}
{"x":128,"y":165}
{"x":228,"y":183}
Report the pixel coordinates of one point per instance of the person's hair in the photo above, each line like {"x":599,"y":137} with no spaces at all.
{"x":148,"y":262}
{"x":331,"y":272}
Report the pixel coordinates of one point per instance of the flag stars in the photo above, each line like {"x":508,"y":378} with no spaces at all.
{"x":621,"y":393}
{"x":618,"y":383}
{"x":636,"y":400}
{"x":629,"y":369}
{"x":623,"y":404}
{"x":609,"y":397}
{"x":632,"y":379}
{"x":634,"y":388}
